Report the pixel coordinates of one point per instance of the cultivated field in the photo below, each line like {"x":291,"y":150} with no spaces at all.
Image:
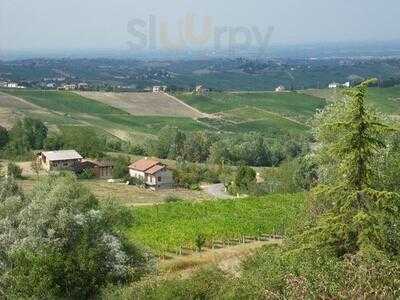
{"x":170,"y":226}
{"x":144,"y":104}
{"x":290,"y":105}
{"x":386,"y":100}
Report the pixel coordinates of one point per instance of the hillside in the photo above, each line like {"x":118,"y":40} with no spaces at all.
{"x":135,"y":117}
{"x":144,"y":104}
{"x":386,"y":100}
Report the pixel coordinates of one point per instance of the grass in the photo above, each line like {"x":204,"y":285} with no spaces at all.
{"x":153,"y":124}
{"x":386,"y":100}
{"x":66,"y":102}
{"x":169,"y":226}
{"x":291,"y":104}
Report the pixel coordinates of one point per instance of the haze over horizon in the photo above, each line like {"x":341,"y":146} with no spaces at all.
{"x":98,"y":24}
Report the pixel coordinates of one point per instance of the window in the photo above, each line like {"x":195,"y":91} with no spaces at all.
{"x":159,"y":178}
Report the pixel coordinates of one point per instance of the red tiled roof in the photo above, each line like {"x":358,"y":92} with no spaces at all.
{"x":144,"y":164}
{"x":155,"y":169}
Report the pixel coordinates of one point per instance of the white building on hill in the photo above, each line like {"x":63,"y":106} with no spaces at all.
{"x":154,"y":173}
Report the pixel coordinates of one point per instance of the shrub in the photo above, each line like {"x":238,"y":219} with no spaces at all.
{"x":87,"y":174}
{"x":172,"y":199}
{"x":13,"y":170}
{"x":200,"y":241}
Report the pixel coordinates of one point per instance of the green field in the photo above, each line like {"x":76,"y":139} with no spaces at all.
{"x":269,"y":113}
{"x":294,"y":105}
{"x":169,"y":226}
{"x":386,"y":100}
{"x":65,"y":102}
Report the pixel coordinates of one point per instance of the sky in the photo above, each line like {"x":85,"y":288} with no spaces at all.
{"x":117,"y":24}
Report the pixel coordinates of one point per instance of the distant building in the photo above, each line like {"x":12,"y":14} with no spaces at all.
{"x":159,"y":89}
{"x":50,"y":85}
{"x":154,"y":173}
{"x":60,"y":160}
{"x":347,"y":84}
{"x":100,"y":169}
{"x":280,"y":88}
{"x":334,"y":85}
{"x":12,"y":85}
{"x":201,"y":90}
{"x":83,"y":86}
{"x":67,"y":87}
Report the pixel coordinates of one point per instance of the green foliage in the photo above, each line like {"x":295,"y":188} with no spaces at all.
{"x":86,"y":174}
{"x":4,"y":137}
{"x":26,"y":135}
{"x":306,"y":173}
{"x":121,"y":167}
{"x":188,"y":175}
{"x":13,"y":170}
{"x":85,"y":140}
{"x":200,"y":242}
{"x":59,"y":243}
{"x":245,"y":179}
{"x":178,"y":223}
{"x":209,"y":283}
{"x":172,"y":199}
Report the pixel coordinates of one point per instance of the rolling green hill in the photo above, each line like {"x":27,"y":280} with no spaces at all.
{"x":269,"y":113}
{"x":294,"y":105}
{"x":386,"y":100}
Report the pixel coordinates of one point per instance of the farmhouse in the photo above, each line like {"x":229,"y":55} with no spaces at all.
{"x":60,"y":160}
{"x":201,"y":90}
{"x":159,"y":89}
{"x":154,"y":174}
{"x":100,"y":169}
{"x":280,"y":88}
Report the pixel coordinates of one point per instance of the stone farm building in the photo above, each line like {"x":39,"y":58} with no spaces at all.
{"x":60,"y":160}
{"x":154,"y":174}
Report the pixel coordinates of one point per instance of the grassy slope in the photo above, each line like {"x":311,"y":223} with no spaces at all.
{"x":169,"y":226}
{"x":386,"y":100}
{"x":67,"y":108}
{"x":65,"y":102}
{"x":295,"y":105}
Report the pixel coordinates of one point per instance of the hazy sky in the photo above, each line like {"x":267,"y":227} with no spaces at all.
{"x":73,"y":24}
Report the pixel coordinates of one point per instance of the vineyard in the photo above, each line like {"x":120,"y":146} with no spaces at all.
{"x":168,"y":227}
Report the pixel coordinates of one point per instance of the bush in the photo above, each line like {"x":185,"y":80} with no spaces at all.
{"x":13,"y":170}
{"x":87,"y":174}
{"x":75,"y":252}
{"x":172,"y":199}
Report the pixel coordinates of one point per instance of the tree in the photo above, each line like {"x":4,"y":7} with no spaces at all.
{"x":4,"y":137}
{"x":306,"y":173}
{"x":121,"y":167}
{"x":27,"y":134}
{"x":355,"y":216}
{"x":245,"y":178}
{"x":84,"y":140}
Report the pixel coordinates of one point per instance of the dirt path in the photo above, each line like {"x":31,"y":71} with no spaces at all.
{"x":227,"y":259}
